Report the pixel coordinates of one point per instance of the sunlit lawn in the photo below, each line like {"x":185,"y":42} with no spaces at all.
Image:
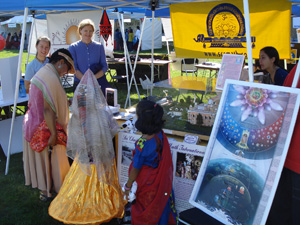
{"x":20,"y":204}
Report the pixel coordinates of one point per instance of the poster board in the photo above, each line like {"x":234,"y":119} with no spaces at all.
{"x":246,"y":152}
{"x":231,"y":68}
{"x":187,"y":159}
{"x":8,"y":76}
{"x":17,"y":135}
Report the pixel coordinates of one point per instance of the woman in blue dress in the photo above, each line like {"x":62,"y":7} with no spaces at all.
{"x":269,"y":62}
{"x":89,"y":54}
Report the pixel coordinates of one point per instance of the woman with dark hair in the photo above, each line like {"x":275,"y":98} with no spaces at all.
{"x":152,"y":169}
{"x":42,"y":45}
{"x":44,"y":127}
{"x":269,"y":62}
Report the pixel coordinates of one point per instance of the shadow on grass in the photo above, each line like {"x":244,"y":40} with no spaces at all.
{"x":20,"y":204}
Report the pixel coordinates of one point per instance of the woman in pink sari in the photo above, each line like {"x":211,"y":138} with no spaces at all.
{"x":44,"y":127}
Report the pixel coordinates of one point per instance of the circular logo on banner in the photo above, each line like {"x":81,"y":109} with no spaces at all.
{"x":72,"y":34}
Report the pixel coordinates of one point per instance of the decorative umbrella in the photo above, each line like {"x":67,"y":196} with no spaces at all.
{"x":105,"y":26}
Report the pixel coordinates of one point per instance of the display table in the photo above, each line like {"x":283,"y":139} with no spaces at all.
{"x":17,"y":137}
{"x":158,"y":64}
{"x":11,"y":101}
{"x":209,"y":66}
{"x":196,"y":216}
{"x":189,"y":83}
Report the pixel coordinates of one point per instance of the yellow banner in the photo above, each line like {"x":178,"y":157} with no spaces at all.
{"x":211,"y":29}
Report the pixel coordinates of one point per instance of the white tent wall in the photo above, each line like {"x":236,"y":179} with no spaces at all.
{"x":167,"y":25}
{"x":147,"y":37}
{"x":39,"y":29}
{"x":167,"y":31}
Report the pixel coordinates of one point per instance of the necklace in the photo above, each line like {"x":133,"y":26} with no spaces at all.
{"x":41,"y":61}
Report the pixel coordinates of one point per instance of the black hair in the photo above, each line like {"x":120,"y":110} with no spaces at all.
{"x":138,"y":27}
{"x":55,"y":57}
{"x":271,"y":52}
{"x":149,"y":117}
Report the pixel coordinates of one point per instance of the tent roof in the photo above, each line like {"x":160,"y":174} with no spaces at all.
{"x":16,"y":7}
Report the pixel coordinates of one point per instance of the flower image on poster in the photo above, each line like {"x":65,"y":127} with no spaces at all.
{"x":246,"y":152}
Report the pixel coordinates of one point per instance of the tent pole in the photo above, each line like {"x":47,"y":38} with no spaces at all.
{"x":168,"y":47}
{"x":125,"y":52}
{"x":129,"y":63}
{"x":152,"y":53}
{"x":17,"y":88}
{"x":30,"y":38}
{"x":248,"y":39}
{"x":296,"y":77}
{"x":136,"y":57}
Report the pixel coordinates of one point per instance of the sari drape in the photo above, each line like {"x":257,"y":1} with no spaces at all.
{"x":40,"y":171}
{"x":154,"y":189}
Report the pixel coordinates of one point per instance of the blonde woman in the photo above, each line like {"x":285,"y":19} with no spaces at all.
{"x":89,"y":54}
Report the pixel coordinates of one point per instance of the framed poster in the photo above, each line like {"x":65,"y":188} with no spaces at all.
{"x":246,"y":152}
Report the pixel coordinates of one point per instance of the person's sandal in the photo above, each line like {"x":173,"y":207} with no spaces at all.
{"x":44,"y":197}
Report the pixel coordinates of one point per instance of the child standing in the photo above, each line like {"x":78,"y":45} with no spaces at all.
{"x":152,"y":169}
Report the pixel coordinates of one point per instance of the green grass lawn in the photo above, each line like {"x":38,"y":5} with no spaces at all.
{"x":10,"y":53}
{"x":20,"y":204}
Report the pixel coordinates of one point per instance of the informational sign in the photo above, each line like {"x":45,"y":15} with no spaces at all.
{"x":11,"y":25}
{"x":296,"y":22}
{"x":187,"y":160}
{"x":231,"y":68}
{"x":246,"y":152}
{"x":293,"y":59}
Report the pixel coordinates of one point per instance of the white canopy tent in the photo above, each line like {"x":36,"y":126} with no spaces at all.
{"x":17,"y":19}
